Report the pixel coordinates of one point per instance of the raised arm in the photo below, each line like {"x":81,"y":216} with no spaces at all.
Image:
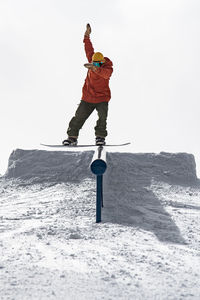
{"x":89,"y":50}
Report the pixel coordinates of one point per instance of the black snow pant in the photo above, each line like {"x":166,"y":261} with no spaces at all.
{"x":83,"y":111}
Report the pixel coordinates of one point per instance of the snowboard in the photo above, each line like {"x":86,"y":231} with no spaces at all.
{"x":80,"y":146}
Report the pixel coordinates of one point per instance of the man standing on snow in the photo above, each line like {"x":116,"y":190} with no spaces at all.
{"x":95,"y":94}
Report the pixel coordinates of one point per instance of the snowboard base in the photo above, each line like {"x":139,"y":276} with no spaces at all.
{"x":81,"y":146}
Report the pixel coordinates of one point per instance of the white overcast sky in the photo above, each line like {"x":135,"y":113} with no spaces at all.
{"x":154,"y":46}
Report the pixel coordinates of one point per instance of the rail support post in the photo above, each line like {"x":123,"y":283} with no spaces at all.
{"x":99,"y":198}
{"x":98,"y":167}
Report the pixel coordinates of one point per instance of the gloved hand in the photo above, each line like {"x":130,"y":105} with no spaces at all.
{"x":88,"y":30}
{"x":90,"y":67}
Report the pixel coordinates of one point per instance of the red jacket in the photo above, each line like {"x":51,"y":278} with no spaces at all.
{"x":96,"y":88}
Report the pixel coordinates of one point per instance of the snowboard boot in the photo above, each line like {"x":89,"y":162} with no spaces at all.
{"x":100,"y":141}
{"x":70,"y":141}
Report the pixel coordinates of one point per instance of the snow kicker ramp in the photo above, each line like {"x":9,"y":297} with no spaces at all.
{"x":131,"y":182}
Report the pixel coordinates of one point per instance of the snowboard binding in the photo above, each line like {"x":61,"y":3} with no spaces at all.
{"x":100,"y":141}
{"x":70,"y":141}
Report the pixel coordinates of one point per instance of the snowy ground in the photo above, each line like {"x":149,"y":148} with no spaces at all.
{"x":147,"y":246}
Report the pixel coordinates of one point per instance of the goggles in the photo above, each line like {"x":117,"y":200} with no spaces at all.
{"x":97,"y":63}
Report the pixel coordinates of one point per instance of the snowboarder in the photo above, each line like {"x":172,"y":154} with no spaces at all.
{"x":95,"y":94}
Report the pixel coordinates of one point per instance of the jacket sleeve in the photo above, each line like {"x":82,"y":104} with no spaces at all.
{"x":105,"y":72}
{"x":89,"y":50}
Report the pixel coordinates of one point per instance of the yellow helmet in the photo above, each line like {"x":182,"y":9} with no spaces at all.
{"x":98,"y":56}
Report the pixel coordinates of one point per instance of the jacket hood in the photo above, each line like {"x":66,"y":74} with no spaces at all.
{"x":108,"y":62}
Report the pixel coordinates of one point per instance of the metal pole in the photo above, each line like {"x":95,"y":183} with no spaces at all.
{"x":99,"y":198}
{"x":102,"y":191}
{"x":98,"y":167}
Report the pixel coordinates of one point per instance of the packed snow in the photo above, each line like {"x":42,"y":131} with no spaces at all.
{"x":146,"y":247}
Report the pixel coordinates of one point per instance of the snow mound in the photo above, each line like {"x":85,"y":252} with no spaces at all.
{"x":131,"y":190}
{"x":38,"y":166}
{"x":174,"y":168}
{"x":131,"y":182}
